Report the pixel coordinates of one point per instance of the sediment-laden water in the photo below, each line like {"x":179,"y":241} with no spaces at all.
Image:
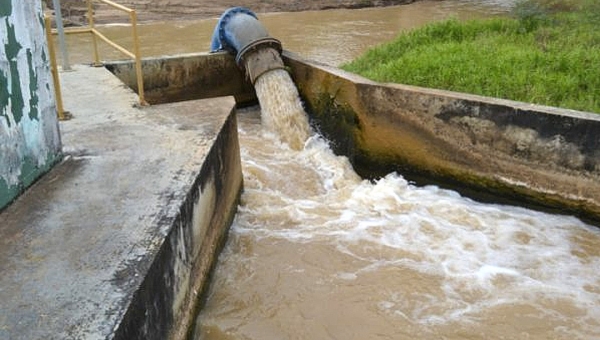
{"x":283,"y":113}
{"x":316,"y":252}
{"x":331,"y":36}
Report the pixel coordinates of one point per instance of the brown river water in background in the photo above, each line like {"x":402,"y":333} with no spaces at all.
{"x":315,"y":252}
{"x":330,"y":36}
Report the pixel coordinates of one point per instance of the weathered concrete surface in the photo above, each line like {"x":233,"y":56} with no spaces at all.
{"x":481,"y":146}
{"x":29,"y":137}
{"x":186,"y":77}
{"x":117,"y":240}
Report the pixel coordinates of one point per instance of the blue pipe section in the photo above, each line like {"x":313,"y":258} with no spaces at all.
{"x":222,"y":39}
{"x":239,"y":31}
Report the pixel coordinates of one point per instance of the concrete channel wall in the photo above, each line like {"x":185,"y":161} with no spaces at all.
{"x":486,"y":148}
{"x":29,"y":137}
{"x":117,"y":241}
{"x":187,"y":76}
{"x":164,"y":306}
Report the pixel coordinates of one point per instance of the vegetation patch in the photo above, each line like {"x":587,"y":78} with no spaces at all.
{"x":547,"y":52}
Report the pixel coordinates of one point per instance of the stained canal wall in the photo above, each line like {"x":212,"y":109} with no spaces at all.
{"x":488,"y":148}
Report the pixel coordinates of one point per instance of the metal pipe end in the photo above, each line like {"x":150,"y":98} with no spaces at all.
{"x":257,"y":62}
{"x":266,"y":42}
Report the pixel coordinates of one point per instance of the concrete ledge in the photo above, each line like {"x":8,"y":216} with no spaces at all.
{"x":187,"y":77}
{"x":116,"y":242}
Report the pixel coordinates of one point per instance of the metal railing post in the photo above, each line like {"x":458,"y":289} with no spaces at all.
{"x":138,"y":58}
{"x":54,"y":70}
{"x":61,"y":35}
{"x":90,"y":15}
{"x":136,"y":55}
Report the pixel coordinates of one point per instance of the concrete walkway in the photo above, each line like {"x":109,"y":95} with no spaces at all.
{"x":75,"y":248}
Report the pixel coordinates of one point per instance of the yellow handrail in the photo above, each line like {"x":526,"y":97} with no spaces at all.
{"x":136,"y":55}
{"x":54,"y":71}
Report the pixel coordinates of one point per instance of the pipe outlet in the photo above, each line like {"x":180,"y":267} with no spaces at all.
{"x":240,"y":33}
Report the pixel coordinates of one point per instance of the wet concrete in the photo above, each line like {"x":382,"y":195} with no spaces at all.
{"x":117,"y":240}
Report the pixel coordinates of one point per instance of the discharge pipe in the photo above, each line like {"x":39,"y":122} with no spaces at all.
{"x":239,"y":32}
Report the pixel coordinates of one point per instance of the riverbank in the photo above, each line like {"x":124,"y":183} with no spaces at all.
{"x":546,"y":55}
{"x":74,"y":11}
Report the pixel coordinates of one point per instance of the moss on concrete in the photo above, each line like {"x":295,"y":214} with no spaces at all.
{"x":7,"y":193}
{"x":5,"y":8}
{"x":338,"y":123}
{"x":33,"y":88}
{"x":12,"y":49}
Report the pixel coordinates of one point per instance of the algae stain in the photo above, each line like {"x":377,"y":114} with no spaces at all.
{"x":337,"y":122}
{"x":5,"y":8}
{"x":44,"y":57}
{"x":41,"y":20}
{"x":33,"y":88}
{"x":12,"y":49}
{"x":7,"y":193}
{"x":4,"y":97}
{"x":29,"y":171}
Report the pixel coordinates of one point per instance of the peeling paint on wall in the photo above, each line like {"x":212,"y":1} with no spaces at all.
{"x":29,"y":136}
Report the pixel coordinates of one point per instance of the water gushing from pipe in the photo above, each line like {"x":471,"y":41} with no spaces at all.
{"x":239,"y":32}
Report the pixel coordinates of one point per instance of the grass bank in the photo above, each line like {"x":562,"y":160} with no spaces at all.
{"x":547,"y":52}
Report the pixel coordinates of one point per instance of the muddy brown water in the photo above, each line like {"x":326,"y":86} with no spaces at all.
{"x":315,"y":252}
{"x":330,"y":36}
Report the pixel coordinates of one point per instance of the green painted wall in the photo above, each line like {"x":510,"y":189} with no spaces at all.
{"x":29,"y":135}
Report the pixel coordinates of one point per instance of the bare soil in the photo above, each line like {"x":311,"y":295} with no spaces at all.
{"x":74,"y":11}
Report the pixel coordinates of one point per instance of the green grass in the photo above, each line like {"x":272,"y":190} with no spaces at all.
{"x":548,"y":53}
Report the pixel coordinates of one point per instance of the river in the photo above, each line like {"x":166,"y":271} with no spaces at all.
{"x":331,"y":36}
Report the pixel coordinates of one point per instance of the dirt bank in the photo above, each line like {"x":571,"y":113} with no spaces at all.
{"x":160,"y":10}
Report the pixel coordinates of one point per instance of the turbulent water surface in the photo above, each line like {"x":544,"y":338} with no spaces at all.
{"x":316,"y":252}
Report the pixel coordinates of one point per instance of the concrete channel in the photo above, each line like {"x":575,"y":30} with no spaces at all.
{"x":486,"y":148}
